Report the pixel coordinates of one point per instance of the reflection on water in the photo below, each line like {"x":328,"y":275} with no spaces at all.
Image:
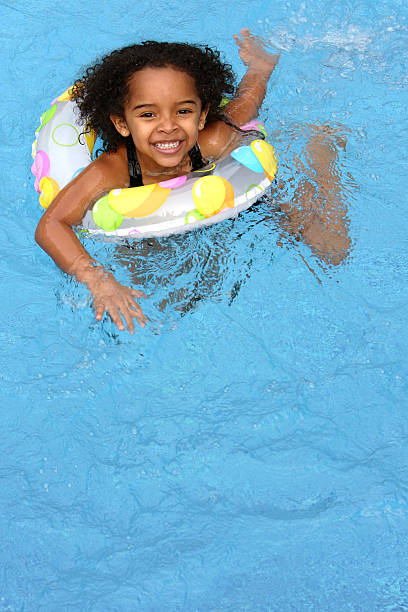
{"x":183,"y":270}
{"x":316,"y":190}
{"x":308,"y":203}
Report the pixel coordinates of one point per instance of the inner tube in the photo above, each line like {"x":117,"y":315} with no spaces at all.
{"x":64,"y":146}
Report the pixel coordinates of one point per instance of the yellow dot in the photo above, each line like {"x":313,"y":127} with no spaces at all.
{"x":49,"y":189}
{"x":138,"y":201}
{"x":266,"y":155}
{"x":206,"y":168}
{"x":211,"y":194}
{"x":90,"y":138}
{"x":66,"y":95}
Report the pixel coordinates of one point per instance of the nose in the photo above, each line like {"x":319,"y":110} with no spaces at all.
{"x":167,"y":124}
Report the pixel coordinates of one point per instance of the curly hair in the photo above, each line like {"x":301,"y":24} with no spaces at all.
{"x":104,"y":88}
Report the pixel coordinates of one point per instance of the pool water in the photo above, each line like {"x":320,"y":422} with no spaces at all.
{"x":247,"y":450}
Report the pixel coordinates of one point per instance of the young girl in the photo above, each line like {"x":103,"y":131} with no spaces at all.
{"x":156,"y":106}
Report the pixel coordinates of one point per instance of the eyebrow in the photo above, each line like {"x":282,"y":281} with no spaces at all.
{"x":151,"y":104}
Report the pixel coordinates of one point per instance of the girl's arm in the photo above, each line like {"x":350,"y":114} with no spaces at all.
{"x":218,"y":138}
{"x":55,"y":235}
{"x":252,"y":89}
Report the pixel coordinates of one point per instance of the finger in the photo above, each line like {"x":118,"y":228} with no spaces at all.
{"x":252,"y":38}
{"x":139,"y":316}
{"x":247,"y":35}
{"x":137,"y":313}
{"x":138,"y":294}
{"x":128,"y":316}
{"x":141,"y":319}
{"x":99,"y":311}
{"x":116,"y":318}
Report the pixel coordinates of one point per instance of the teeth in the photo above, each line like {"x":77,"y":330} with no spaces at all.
{"x":167,"y":145}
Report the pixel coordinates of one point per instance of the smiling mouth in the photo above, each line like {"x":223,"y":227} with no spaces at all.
{"x":168,"y":147}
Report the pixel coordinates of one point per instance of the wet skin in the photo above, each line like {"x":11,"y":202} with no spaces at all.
{"x":164,"y":117}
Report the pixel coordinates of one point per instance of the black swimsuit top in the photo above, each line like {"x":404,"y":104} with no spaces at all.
{"x":135,"y":172}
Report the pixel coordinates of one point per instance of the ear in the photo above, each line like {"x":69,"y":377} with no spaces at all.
{"x":120,"y":124}
{"x":203,"y":117}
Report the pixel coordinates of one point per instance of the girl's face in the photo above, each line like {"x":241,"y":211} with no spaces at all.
{"x":163,"y":115}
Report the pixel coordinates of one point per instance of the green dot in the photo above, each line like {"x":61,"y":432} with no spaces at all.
{"x":105,"y":217}
{"x":254,"y":186}
{"x":224,"y":102}
{"x":45,"y":117}
{"x":262,"y":129}
{"x":193,"y":216}
{"x":65,"y":135}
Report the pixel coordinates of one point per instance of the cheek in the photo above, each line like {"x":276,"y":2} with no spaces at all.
{"x":139,"y":133}
{"x":194,"y":124}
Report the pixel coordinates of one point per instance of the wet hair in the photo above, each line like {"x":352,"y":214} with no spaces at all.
{"x":104,"y":88}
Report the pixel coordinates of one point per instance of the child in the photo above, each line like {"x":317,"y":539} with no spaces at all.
{"x":156,"y":106}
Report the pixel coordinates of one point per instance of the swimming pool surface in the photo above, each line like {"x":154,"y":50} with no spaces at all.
{"x":247,"y":450}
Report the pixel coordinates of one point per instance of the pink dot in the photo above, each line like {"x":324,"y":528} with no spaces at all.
{"x":133,"y":231}
{"x":251,"y":125}
{"x":173,"y":183}
{"x":40,"y":168}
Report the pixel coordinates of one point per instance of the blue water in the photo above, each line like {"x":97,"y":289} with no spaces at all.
{"x":247,"y":451}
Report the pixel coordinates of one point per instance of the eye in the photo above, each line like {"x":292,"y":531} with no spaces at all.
{"x":147,"y":115}
{"x":185,"y":111}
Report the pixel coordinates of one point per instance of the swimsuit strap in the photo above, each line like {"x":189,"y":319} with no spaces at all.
{"x":135,"y":172}
{"x":196,"y":158}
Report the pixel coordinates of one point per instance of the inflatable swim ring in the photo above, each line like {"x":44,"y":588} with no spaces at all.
{"x":64,"y":146}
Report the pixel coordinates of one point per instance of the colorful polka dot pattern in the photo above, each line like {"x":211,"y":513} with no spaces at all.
{"x":105,"y":217}
{"x":174,"y":183}
{"x":245,"y":156}
{"x":64,"y":97}
{"x":48,"y":190}
{"x":197,"y":198}
{"x":90,"y":137}
{"x":266,"y":156}
{"x":211,"y":194}
{"x":46,"y":117}
{"x":40,"y":168}
{"x":256,"y":125}
{"x":65,"y":135}
{"x":193,"y":216}
{"x":138,"y":201}
{"x":59,"y":132}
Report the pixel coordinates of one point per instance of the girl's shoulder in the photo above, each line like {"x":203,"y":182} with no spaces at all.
{"x":108,"y":171}
{"x":112,"y":167}
{"x":218,"y":139}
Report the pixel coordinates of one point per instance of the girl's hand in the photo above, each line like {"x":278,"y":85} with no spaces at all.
{"x":252,"y":52}
{"x":115,"y":299}
{"x":252,"y":88}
